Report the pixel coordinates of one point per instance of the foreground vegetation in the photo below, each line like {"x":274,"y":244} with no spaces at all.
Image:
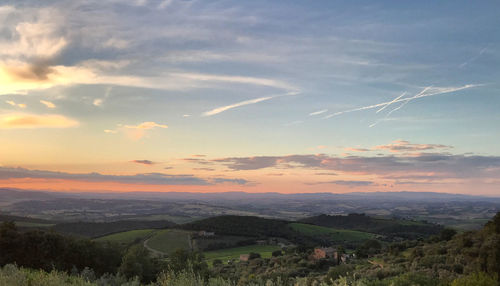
{"x":447,"y":258}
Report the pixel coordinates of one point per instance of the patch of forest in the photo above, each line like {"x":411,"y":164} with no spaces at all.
{"x":392,"y":228}
{"x":98,"y":229}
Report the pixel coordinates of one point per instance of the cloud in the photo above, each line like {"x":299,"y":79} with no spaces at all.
{"x":350,"y":149}
{"x":97,"y":102}
{"x":144,"y":162}
{"x":318,"y":112}
{"x":136,"y":132}
{"x":48,"y":104}
{"x":164,"y":4}
{"x":445,"y":165}
{"x":239,"y":104}
{"x":350,"y":183}
{"x":462,"y":65}
{"x":146,"y":125}
{"x":236,"y":79}
{"x":204,"y":169}
{"x":37,"y":35}
{"x":13,"y":103}
{"x":198,"y":160}
{"x":230,"y":181}
{"x":146,"y":178}
{"x":275,"y":174}
{"x":24,"y":120}
{"x":405,"y":146}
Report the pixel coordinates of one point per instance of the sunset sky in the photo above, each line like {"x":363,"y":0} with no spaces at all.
{"x":254,"y":96}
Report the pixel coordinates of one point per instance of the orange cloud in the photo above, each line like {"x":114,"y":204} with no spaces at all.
{"x":146,"y":125}
{"x":48,"y":103}
{"x":406,"y":146}
{"x":23,"y":120}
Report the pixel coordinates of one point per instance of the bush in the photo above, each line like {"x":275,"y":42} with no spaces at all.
{"x":475,"y":279}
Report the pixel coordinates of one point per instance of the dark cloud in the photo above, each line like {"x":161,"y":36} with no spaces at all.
{"x":231,"y":181}
{"x":197,"y":161}
{"x":446,"y":165}
{"x":346,"y":183}
{"x":147,"y":178}
{"x":204,"y":169}
{"x":39,"y":70}
{"x":144,"y":162}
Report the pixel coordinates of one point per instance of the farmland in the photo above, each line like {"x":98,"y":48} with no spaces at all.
{"x":333,"y":234}
{"x":234,"y":253}
{"x":127,"y":237}
{"x":167,"y":241}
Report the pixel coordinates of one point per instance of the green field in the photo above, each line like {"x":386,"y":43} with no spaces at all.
{"x":334,"y":234}
{"x":172,"y":218}
{"x":170,"y":240}
{"x":127,"y":237}
{"x":33,"y":224}
{"x":234,"y":253}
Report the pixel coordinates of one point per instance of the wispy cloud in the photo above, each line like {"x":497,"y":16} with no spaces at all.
{"x":236,"y":79}
{"x":146,"y":178}
{"x":138,"y":131}
{"x":25,"y":120}
{"x":48,"y":104}
{"x":351,"y":149}
{"x":469,"y":61}
{"x":143,"y":162}
{"x":349,"y":183}
{"x":405,"y":146}
{"x":13,"y":103}
{"x":235,"y":105}
{"x":318,"y":112}
{"x":146,"y":125}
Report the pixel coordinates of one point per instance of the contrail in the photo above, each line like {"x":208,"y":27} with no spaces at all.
{"x":243,"y":103}
{"x":399,"y":107}
{"x":462,"y":65}
{"x":384,"y":107}
{"x":406,"y":102}
{"x":439,"y":90}
{"x":318,"y":112}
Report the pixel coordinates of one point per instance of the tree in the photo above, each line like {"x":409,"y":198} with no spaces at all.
{"x":253,"y":255}
{"x":277,"y":253}
{"x":447,"y":234}
{"x":475,"y":279}
{"x":137,"y":263}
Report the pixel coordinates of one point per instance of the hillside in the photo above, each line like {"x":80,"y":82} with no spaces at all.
{"x":392,"y":228}
{"x":242,"y":226}
{"x":97,"y":229}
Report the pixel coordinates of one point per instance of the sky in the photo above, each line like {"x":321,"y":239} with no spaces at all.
{"x":253,"y":96}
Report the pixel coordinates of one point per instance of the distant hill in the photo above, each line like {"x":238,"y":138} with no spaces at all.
{"x":389,"y":227}
{"x":11,"y":195}
{"x":98,"y":229}
{"x":17,"y":194}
